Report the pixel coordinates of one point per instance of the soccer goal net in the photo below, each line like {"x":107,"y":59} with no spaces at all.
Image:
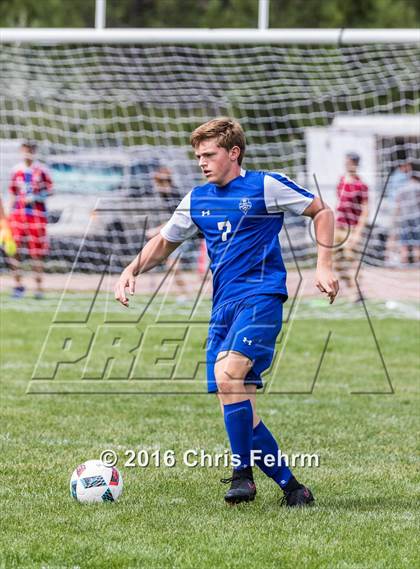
{"x":112,"y":123}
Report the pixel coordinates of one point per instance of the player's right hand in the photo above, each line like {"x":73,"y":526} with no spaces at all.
{"x":126,"y":280}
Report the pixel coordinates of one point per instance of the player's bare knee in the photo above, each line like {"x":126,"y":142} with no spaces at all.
{"x":225,"y":383}
{"x":226,"y":380}
{"x":230,"y":376}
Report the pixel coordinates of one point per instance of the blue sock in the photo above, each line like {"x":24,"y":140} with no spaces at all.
{"x":238,"y":422}
{"x":264,"y":441}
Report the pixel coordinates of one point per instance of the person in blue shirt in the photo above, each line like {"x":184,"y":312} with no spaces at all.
{"x":240,"y":213}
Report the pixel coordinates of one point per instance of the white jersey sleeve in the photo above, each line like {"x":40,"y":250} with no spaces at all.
{"x":181,"y":226}
{"x":283,"y":194}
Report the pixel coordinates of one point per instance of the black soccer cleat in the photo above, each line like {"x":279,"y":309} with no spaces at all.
{"x":242,"y":486}
{"x":297,"y":498}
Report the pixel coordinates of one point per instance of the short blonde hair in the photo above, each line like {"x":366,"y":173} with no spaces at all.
{"x":228,"y":133}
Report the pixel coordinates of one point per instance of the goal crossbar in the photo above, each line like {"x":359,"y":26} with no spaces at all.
{"x":345,"y":36}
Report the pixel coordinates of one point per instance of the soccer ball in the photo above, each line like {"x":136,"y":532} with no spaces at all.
{"x":92,"y":481}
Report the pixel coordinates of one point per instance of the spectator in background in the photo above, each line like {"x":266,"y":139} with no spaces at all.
{"x":171,"y":197}
{"x":400,"y":176}
{"x":399,"y":195}
{"x":29,"y":188}
{"x":406,"y":220}
{"x":385,"y":230}
{"x":351,"y":219}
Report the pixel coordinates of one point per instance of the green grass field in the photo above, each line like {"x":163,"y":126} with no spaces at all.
{"x":366,"y":513}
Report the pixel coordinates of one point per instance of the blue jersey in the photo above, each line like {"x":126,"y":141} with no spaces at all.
{"x":241,"y":222}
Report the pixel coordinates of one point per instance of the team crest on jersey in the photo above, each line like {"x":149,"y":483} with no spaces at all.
{"x":245,"y":205}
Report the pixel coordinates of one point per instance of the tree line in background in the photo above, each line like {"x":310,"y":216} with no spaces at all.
{"x":213,"y":13}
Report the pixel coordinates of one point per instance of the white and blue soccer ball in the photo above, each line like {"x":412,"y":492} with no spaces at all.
{"x":93,"y":481}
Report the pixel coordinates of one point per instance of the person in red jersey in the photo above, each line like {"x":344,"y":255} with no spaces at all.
{"x":351,"y":219}
{"x":29,"y":188}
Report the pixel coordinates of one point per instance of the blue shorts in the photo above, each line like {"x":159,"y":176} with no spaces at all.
{"x":410,"y":233}
{"x":249,"y":326}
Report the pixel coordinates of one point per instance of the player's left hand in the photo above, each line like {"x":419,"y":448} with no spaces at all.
{"x":327,"y":283}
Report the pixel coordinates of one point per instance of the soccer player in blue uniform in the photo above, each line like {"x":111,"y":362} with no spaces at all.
{"x":240,"y":214}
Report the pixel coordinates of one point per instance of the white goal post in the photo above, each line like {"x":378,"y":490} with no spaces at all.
{"x":244,"y":36}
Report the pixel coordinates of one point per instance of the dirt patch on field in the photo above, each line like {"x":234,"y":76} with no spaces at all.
{"x":375,"y":283}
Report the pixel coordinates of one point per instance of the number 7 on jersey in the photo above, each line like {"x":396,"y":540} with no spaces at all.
{"x":226,"y":227}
